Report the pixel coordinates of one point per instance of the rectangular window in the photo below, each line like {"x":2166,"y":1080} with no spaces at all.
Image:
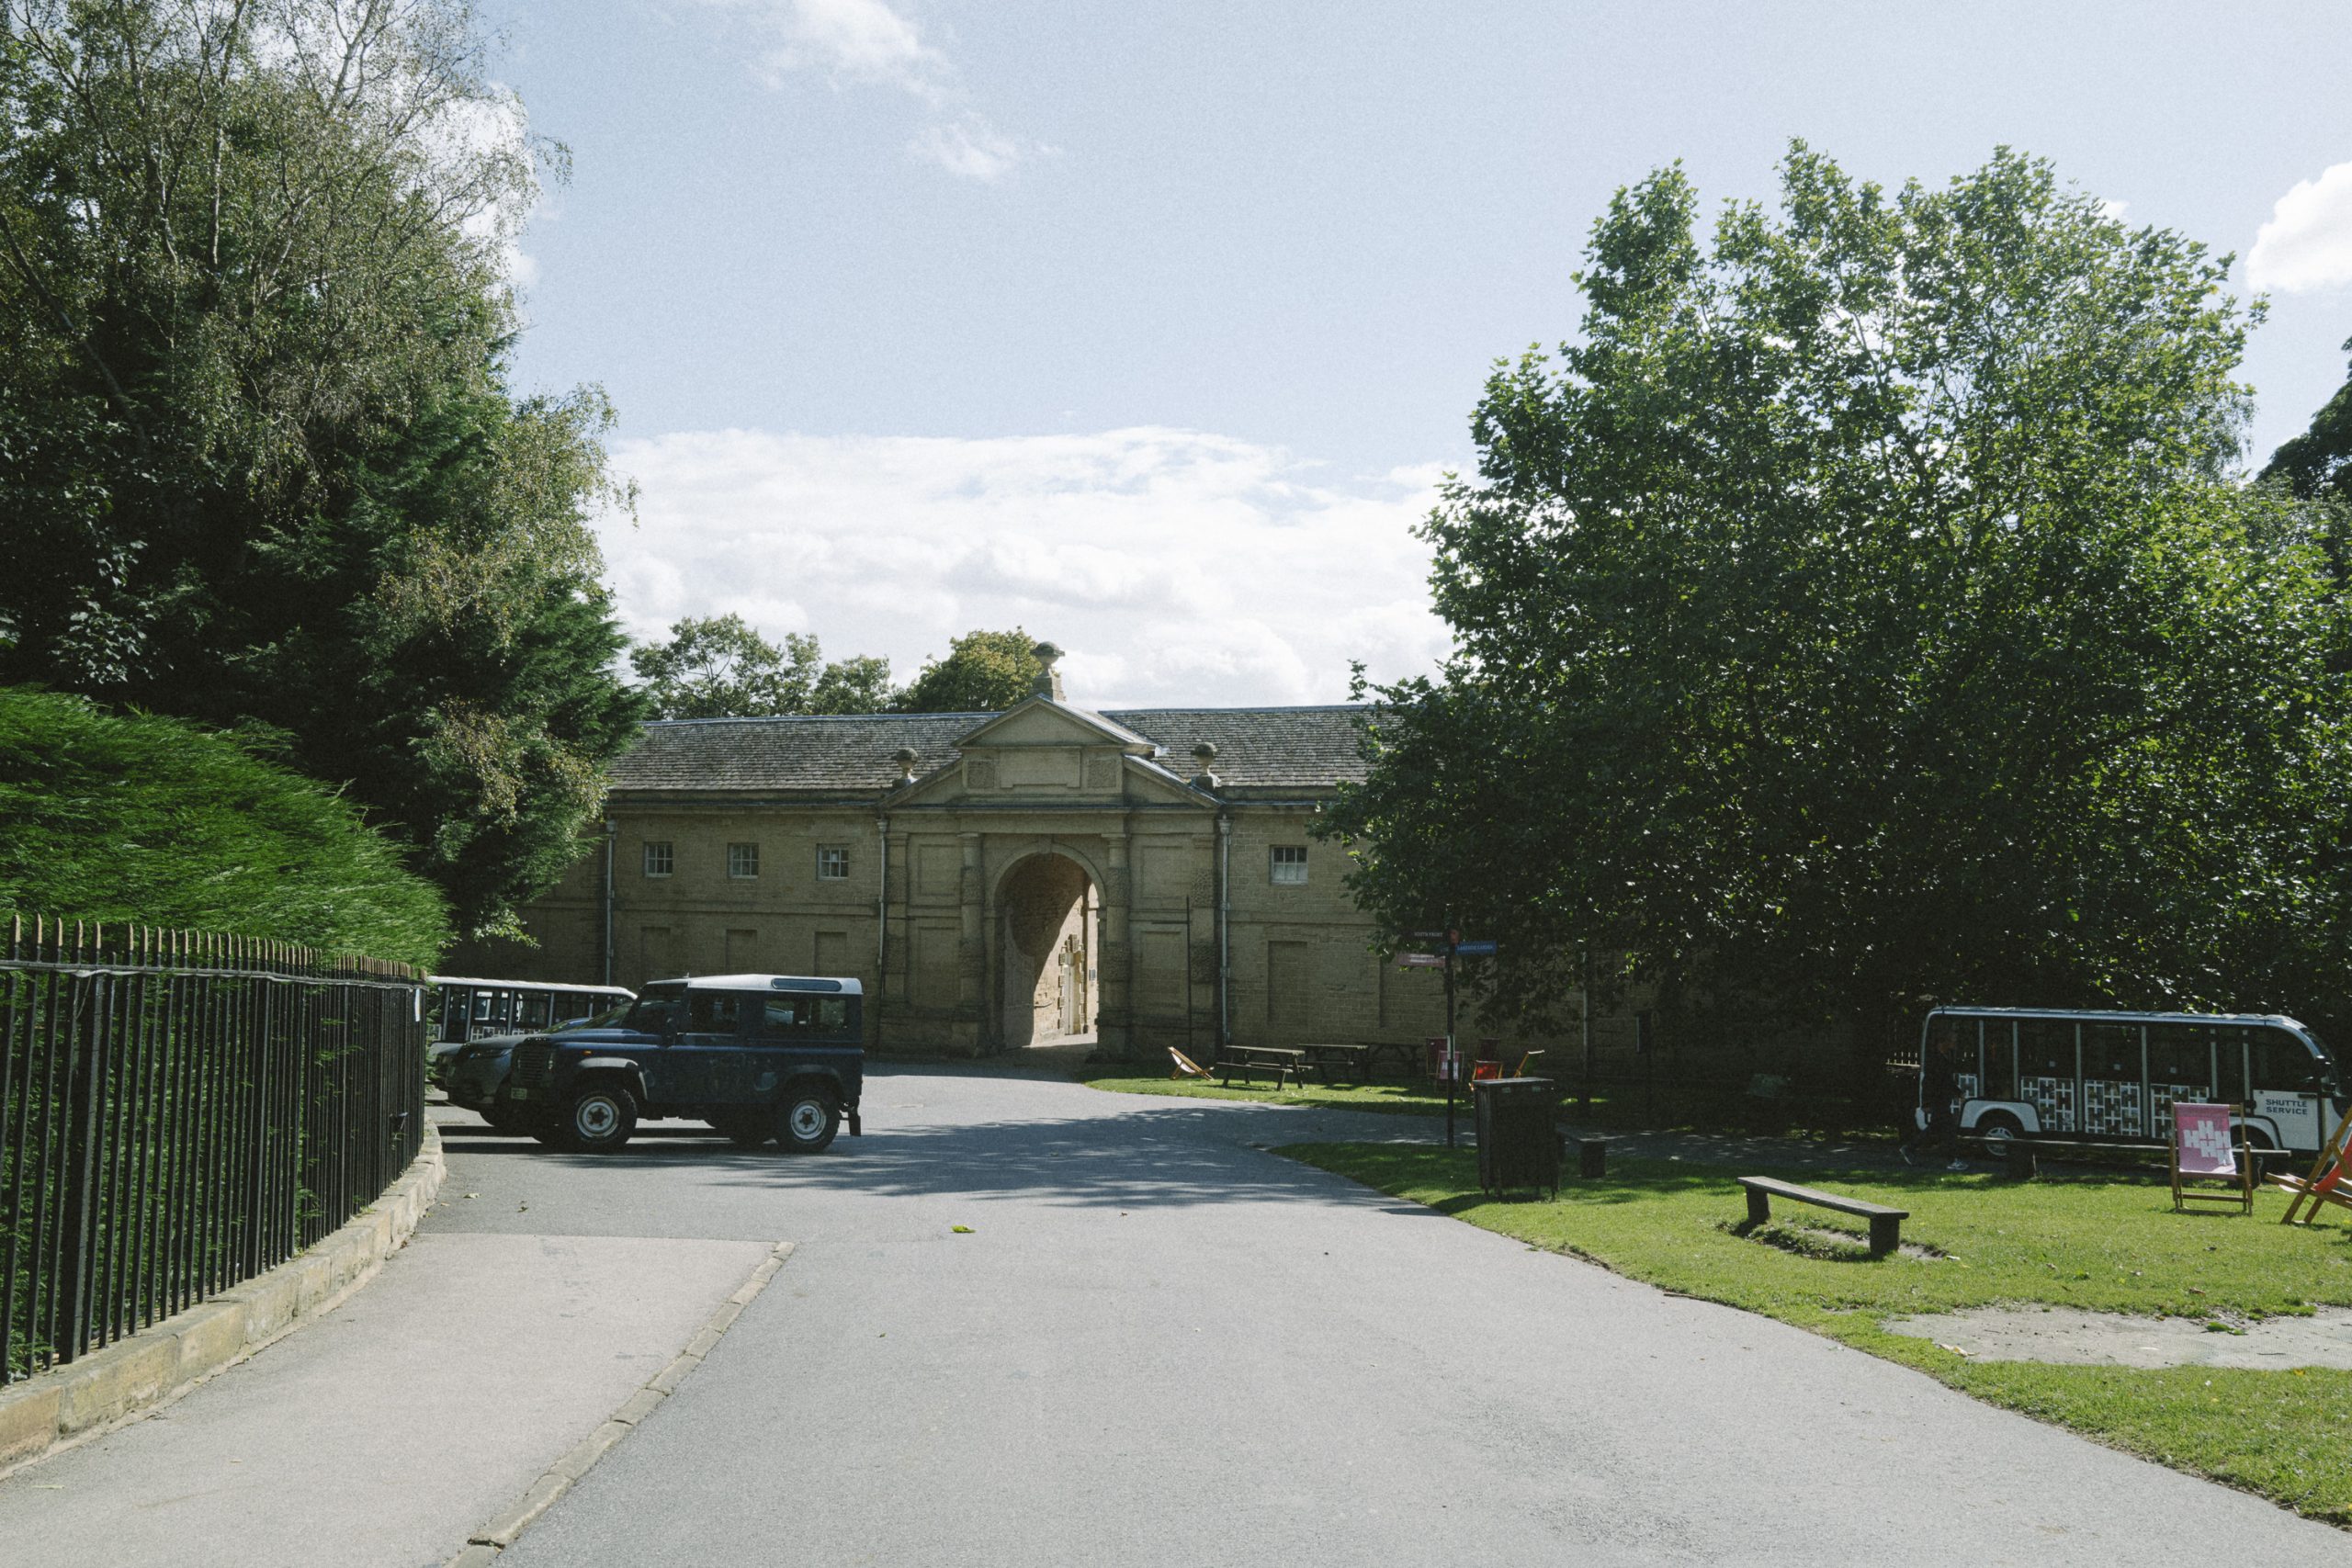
{"x":832,"y":866}
{"x":1290,"y":865}
{"x":656,"y":857}
{"x":742,"y":860}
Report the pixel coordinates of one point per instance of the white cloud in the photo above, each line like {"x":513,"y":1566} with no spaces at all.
{"x":869,"y":42}
{"x":1176,"y":567}
{"x":972,"y":148}
{"x":2307,"y":243}
{"x":859,"y":40}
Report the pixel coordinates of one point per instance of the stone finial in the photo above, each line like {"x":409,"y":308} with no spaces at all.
{"x":1048,"y":683}
{"x":906,"y":757}
{"x":1204,"y":759}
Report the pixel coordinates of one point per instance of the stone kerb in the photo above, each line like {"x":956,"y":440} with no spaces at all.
{"x":133,"y":1376}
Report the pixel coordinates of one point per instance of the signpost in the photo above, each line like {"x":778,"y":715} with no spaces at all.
{"x":1451,"y":1061}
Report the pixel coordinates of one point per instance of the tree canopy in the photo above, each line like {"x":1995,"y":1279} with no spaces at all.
{"x":1861,"y":612}
{"x":982,"y":673}
{"x":2318,"y":464}
{"x":258,"y":458}
{"x":718,"y":667}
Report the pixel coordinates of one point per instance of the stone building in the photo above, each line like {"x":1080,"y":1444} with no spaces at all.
{"x":997,"y":880}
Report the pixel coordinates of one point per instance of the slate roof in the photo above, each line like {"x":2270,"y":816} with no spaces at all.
{"x":1259,"y":750}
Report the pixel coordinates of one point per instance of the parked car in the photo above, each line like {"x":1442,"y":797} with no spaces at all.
{"x":757,"y":1056}
{"x":472,"y":1072}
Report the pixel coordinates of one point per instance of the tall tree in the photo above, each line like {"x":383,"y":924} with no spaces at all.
{"x":258,"y":463}
{"x":2318,"y":463}
{"x":1861,"y":612}
{"x":718,"y":667}
{"x":982,"y":673}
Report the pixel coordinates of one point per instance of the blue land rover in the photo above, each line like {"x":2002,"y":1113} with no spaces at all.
{"x":757,"y":1056}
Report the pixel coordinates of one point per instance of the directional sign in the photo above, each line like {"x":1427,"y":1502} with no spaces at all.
{"x":1420,"y":961}
{"x":1427,"y":936}
{"x":1475,"y":949}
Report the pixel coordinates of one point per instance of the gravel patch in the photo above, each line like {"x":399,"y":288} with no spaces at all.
{"x":2074,"y":1337}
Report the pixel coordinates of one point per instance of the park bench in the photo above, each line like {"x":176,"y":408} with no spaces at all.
{"x":1886,"y":1224}
{"x":1278,"y":1062}
{"x":1354,"y":1060}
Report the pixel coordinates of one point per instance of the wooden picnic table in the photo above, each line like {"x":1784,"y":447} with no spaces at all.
{"x":1356,"y":1060}
{"x":1277,"y":1061}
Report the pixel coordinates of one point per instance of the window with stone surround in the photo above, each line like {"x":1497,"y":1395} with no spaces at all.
{"x":658,"y":860}
{"x":743,"y":861}
{"x":1290,"y":865}
{"x":832,"y":865}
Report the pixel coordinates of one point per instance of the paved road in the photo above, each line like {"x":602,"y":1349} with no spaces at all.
{"x":379,"y":1436}
{"x":1160,"y":1343}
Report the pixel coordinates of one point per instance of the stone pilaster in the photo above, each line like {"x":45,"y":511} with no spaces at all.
{"x":1116,"y":1033}
{"x":971,"y":949}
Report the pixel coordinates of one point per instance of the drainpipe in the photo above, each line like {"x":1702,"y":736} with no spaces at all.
{"x":612,"y":831}
{"x":881,"y":918}
{"x":1224,"y":929}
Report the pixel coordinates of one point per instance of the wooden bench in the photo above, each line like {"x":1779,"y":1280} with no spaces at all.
{"x":1354,"y":1060}
{"x":1278,"y":1062}
{"x":1886,"y":1224}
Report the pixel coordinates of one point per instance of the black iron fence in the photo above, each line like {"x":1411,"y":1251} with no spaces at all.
{"x":180,"y":1112}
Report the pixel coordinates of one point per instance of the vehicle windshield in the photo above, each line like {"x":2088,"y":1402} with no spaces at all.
{"x":611,"y":1018}
{"x":657,"y":1012}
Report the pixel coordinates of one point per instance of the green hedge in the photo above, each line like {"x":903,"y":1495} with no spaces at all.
{"x":134,"y":818}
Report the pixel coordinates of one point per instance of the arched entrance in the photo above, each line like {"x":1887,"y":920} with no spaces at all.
{"x":1047,"y":982}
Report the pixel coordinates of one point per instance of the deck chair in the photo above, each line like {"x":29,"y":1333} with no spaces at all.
{"x":2326,"y":1183}
{"x":2201,"y":1153}
{"x":1185,"y":1067}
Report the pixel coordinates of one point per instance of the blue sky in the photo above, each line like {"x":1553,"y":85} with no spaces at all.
{"x":1148,"y":327}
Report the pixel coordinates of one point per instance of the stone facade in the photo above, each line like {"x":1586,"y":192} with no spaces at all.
{"x":996,"y":879}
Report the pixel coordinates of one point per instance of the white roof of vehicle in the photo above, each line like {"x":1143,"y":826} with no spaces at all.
{"x":766,"y":983}
{"x":621,"y":992}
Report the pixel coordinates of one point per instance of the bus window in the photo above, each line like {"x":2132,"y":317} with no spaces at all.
{"x":536,"y":1010}
{"x":2046,"y":1070}
{"x":2112,"y":1078}
{"x":2229,"y":1067}
{"x":482,"y":1006}
{"x":2180,"y":1059}
{"x":2000,"y":1059}
{"x":2282,"y":1063}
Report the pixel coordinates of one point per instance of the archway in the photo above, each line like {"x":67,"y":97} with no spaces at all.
{"x":1049,"y":988}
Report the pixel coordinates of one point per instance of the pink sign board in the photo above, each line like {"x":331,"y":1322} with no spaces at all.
{"x":2202,"y":1134}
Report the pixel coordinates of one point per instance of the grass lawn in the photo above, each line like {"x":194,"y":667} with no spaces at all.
{"x":1414,"y":1099}
{"x":2104,"y":1245}
{"x":1616,"y":1108}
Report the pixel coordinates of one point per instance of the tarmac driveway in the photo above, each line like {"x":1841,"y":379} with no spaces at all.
{"x":1158,"y":1343}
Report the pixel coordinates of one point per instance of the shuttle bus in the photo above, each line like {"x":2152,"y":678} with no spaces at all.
{"x":467,"y":1009}
{"x":2028,"y":1073}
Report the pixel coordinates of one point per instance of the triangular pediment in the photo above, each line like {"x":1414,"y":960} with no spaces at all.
{"x":1044,"y":752}
{"x":1041,"y":721}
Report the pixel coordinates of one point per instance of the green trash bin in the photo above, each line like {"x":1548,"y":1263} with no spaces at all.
{"x":1517,"y":1145}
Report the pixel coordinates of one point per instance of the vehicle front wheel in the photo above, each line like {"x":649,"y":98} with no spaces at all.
{"x":806,"y":1121}
{"x":599,"y":1120}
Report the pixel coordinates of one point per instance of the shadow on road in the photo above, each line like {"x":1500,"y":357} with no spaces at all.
{"x":1136,"y":1154}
